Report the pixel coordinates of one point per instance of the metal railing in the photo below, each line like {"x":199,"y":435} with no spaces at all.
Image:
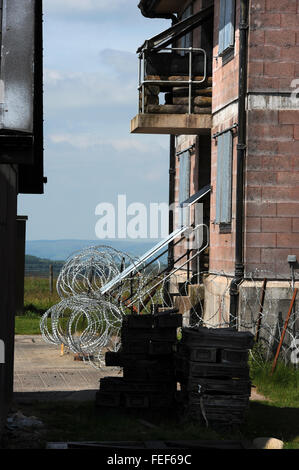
{"x":143,"y":82}
{"x":162,"y":276}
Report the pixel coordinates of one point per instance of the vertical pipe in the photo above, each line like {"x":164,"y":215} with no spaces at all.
{"x":171,"y":200}
{"x":241,"y":152}
{"x":143,"y":79}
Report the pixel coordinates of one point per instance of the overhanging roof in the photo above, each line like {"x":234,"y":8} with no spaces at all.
{"x":179,"y":30}
{"x":160,"y":8}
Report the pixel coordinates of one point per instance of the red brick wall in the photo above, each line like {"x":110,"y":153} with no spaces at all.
{"x":272,"y":176}
{"x":271,"y":225}
{"x":225,"y":94}
{"x":273,"y":44}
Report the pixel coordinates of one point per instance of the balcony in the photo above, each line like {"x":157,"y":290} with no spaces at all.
{"x":175,"y":92}
{"x":175,"y":83}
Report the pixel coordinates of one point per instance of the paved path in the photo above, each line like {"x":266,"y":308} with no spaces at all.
{"x":40,"y":372}
{"x":40,"y":368}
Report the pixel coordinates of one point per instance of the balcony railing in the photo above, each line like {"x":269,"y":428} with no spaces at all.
{"x":180,"y":73}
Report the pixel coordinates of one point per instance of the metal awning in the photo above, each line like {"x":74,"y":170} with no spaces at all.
{"x":162,"y":40}
{"x":197,"y":196}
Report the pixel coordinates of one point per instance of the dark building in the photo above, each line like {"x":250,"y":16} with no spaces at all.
{"x":21,"y":159}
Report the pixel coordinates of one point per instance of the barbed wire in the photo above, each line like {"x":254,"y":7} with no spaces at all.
{"x":88,"y":318}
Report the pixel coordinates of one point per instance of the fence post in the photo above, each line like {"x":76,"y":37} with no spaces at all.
{"x":51,"y":278}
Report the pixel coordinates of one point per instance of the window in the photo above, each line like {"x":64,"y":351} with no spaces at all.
{"x":184,"y":187}
{"x":226,"y":38}
{"x":224,"y":178}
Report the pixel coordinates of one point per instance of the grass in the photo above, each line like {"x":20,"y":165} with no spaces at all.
{"x":37,"y":300}
{"x":282,"y":388}
{"x":37,"y":297}
{"x":278,"y":415}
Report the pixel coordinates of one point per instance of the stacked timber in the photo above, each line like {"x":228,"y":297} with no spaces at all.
{"x":212,"y":369}
{"x":177,"y":97}
{"x":147,"y":359}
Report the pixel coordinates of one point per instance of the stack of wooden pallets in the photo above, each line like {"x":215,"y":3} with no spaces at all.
{"x":147,"y":359}
{"x":212,"y":369}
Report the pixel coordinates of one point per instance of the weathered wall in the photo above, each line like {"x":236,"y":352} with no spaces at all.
{"x":271,"y":222}
{"x":225,"y":114}
{"x":8,"y":211}
{"x":272,"y":173}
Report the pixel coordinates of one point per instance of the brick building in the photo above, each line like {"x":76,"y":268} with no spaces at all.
{"x":235,"y":129}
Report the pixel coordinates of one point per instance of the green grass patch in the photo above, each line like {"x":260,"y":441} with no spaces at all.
{"x":37,"y":297}
{"x":28,"y":324}
{"x":281,"y":387}
{"x":37,"y":300}
{"x":278,"y":415}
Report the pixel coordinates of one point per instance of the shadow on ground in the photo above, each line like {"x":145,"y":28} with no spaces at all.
{"x":264,"y":419}
{"x":53,"y":396}
{"x":73,"y":416}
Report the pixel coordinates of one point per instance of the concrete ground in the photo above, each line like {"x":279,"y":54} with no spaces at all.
{"x":40,"y":372}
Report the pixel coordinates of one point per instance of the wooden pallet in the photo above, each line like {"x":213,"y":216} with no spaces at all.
{"x":217,"y":338}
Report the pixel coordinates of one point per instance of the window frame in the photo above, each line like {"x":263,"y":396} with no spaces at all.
{"x":227,"y":27}
{"x":224,"y":179}
{"x":184,"y":185}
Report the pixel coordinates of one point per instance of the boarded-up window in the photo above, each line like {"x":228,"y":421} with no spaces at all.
{"x":184,"y":185}
{"x":224,"y":178}
{"x":226,"y":26}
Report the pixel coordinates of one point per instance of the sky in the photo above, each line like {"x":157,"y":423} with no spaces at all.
{"x":90,"y":96}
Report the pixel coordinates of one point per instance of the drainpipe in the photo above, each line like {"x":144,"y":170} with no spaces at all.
{"x":241,"y":153}
{"x":170,"y":260}
{"x":172,"y":154}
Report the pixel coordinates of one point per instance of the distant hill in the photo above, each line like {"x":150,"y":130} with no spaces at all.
{"x":61,"y":249}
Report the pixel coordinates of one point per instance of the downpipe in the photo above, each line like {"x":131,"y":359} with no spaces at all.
{"x":241,"y":154}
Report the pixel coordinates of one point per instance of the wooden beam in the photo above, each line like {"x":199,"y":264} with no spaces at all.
{"x":172,"y":124}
